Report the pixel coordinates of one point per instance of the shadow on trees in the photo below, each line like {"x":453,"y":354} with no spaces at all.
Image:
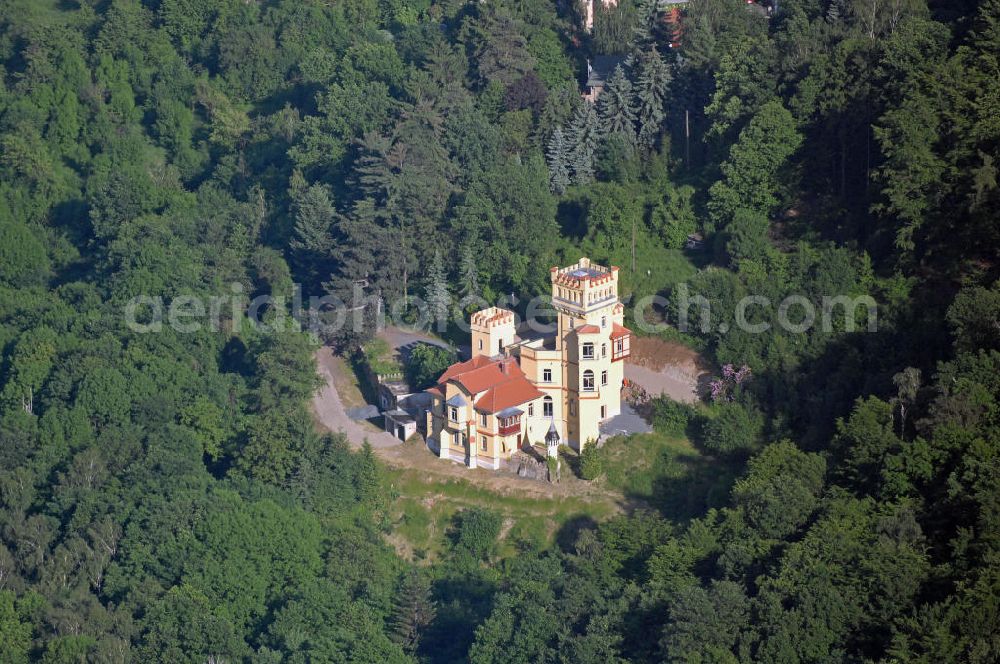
{"x":569,"y":532}
{"x":463,"y":602}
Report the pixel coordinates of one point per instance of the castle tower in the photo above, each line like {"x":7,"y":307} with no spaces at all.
{"x":492,"y":331}
{"x":585,"y":296}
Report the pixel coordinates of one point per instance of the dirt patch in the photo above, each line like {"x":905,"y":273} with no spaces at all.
{"x":666,"y":367}
{"x":655,"y":354}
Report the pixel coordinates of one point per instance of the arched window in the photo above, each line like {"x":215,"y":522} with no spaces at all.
{"x":588,"y":381}
{"x":547,"y":406}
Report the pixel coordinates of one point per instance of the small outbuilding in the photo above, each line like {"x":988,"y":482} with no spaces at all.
{"x":599,"y":71}
{"x":399,"y":423}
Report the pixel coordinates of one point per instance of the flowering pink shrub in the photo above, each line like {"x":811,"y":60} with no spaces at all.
{"x":724,"y":388}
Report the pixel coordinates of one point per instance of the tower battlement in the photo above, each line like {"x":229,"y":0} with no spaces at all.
{"x":492,"y":317}
{"x":493,"y":330}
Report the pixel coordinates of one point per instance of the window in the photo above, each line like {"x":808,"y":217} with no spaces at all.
{"x":604,"y":378}
{"x":482,"y":417}
{"x":572,"y":323}
{"x":456,"y":438}
{"x":604,"y":321}
{"x":588,"y":351}
{"x":572,"y":408}
{"x":619,"y":345}
{"x":531,"y":409}
{"x":482,"y":441}
{"x":604,"y":350}
{"x":547,"y":406}
{"x":604,"y":412}
{"x":588,"y":381}
{"x":453,"y":413}
{"x":546,"y":375}
{"x":480,"y":344}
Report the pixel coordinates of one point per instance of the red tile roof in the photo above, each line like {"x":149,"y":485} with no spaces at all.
{"x":513,"y":392}
{"x":484,"y":378}
{"x":588,"y":329}
{"x":617,"y":331}
{"x":501,"y":382}
{"x":461,"y":367}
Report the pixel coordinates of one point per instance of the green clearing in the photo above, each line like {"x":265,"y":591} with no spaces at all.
{"x":425,"y":508}
{"x":667,"y":472}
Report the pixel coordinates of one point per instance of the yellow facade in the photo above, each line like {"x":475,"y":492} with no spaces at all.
{"x":576,"y":374}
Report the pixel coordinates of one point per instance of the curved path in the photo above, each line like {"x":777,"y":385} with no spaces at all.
{"x":331,"y":413}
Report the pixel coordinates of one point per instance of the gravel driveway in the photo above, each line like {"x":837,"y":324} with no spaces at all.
{"x":330,"y":410}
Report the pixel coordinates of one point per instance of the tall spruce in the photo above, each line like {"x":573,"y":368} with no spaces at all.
{"x":312,"y":242}
{"x":584,"y":136}
{"x":470,"y":288}
{"x":413,"y":611}
{"x":646,"y":29}
{"x":615,"y":107}
{"x":558,"y":160}
{"x":651,"y":94}
{"x":436,"y":293}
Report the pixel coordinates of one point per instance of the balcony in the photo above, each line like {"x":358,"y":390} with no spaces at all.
{"x":510,"y":427}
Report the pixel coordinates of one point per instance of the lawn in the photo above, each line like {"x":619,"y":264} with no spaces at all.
{"x":667,"y":472}
{"x":423,"y":512}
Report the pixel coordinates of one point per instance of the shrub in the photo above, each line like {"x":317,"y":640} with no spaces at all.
{"x":477,"y":532}
{"x":670,"y":417}
{"x":591,"y":462}
{"x":426,"y":363}
{"x":734,"y":429}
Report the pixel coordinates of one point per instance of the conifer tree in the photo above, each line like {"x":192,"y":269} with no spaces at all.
{"x":646,"y":28}
{"x":651,"y":92}
{"x":558,"y":158}
{"x":470,"y":275}
{"x":584,"y":135}
{"x":413,"y":611}
{"x":312,"y":243}
{"x":615,"y":109}
{"x":436,"y":293}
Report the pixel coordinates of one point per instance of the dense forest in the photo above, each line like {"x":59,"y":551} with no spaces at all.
{"x":165,"y":497}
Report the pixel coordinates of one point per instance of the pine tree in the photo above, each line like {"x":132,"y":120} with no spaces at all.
{"x":584,"y":136}
{"x":436,"y":293}
{"x":615,"y":110}
{"x":646,"y":28}
{"x":470,"y":275}
{"x":651,"y":93}
{"x":413,"y":611}
{"x":367,"y":481}
{"x":312,"y":243}
{"x":835,"y":11}
{"x":558,"y":158}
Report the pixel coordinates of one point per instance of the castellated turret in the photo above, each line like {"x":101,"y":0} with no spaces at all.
{"x":493,"y":331}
